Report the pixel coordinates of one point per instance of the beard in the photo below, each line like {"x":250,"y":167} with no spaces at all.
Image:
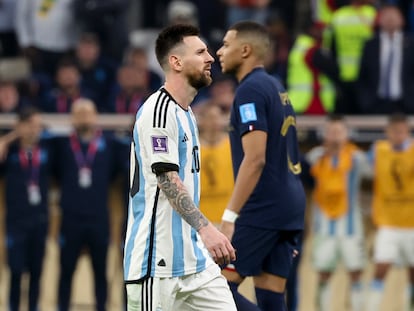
{"x":199,"y":80}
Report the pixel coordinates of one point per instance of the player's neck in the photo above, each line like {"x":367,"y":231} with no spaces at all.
{"x":86,"y":134}
{"x":181,"y":91}
{"x":247,"y":68}
{"x":333,"y":150}
{"x":28,"y":143}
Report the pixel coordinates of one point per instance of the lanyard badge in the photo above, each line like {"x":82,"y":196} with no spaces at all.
{"x":30,"y":162}
{"x":84,"y":162}
{"x":85,"y":177}
{"x":33,"y":194}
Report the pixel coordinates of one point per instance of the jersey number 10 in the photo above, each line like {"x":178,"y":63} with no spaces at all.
{"x":196,"y":160}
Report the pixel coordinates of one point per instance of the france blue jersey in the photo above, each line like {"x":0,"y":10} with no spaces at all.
{"x":278,"y":201}
{"x":159,"y":243}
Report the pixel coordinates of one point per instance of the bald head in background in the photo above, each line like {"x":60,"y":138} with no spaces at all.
{"x":84,"y":116}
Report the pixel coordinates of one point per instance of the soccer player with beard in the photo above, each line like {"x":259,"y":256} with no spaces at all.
{"x":170,"y":246}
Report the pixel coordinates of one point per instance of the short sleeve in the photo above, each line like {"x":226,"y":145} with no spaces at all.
{"x":159,"y":136}
{"x":250,"y":110}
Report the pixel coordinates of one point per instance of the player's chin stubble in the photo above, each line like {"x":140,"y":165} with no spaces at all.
{"x":199,"y":81}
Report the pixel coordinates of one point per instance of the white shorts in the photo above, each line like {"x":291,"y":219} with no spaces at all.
{"x":207,"y":290}
{"x":328,"y":250}
{"x":395,"y":246}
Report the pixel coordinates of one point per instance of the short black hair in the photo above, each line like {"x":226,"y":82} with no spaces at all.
{"x":170,"y":37}
{"x":89,"y":37}
{"x":257,"y":35}
{"x":397,"y":117}
{"x":335,"y":117}
{"x":67,"y":62}
{"x":249,"y":26}
{"x":26,"y":112}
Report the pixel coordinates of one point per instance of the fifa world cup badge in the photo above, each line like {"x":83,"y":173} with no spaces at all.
{"x":33,"y":193}
{"x":85,"y":177}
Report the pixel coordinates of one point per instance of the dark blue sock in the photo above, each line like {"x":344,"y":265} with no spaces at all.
{"x":270,"y":301}
{"x":242,"y":303}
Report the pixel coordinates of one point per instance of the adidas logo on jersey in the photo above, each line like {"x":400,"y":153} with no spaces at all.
{"x":185,"y":138}
{"x":161,"y":263}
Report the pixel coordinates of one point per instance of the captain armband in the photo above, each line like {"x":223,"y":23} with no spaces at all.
{"x":161,"y":168}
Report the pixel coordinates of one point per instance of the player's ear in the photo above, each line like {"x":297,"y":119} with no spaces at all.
{"x":175,"y":62}
{"x":246,"y":50}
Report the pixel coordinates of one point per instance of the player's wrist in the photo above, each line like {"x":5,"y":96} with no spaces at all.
{"x":229,"y":216}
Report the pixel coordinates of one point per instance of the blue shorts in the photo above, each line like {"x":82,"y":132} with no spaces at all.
{"x":262,"y":250}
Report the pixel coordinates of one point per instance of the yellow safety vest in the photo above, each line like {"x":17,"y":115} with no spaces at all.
{"x":393,"y":197}
{"x":331,"y":189}
{"x":300,"y":78}
{"x":323,"y":12}
{"x":351,"y":26}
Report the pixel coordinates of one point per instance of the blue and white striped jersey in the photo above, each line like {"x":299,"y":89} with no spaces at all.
{"x":351,"y":223}
{"x":159,"y":243}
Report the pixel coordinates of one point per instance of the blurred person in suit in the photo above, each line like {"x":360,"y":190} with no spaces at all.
{"x":27,"y":163}
{"x":90,"y":160}
{"x":386,"y":76}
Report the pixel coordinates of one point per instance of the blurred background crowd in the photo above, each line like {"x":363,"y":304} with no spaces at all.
{"x":52,"y":52}
{"x":350,"y":57}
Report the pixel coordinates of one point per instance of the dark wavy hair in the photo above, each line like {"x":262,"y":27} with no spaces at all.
{"x":170,"y":37}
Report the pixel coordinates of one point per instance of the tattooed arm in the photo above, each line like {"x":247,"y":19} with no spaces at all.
{"x":172,"y":186}
{"x":216,"y":243}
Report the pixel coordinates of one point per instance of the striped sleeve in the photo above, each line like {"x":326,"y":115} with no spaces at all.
{"x":160,"y":134}
{"x":159,"y":119}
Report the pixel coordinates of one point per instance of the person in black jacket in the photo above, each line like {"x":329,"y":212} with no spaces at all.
{"x":26,"y":169}
{"x":386,"y":77}
{"x":88,"y":163}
